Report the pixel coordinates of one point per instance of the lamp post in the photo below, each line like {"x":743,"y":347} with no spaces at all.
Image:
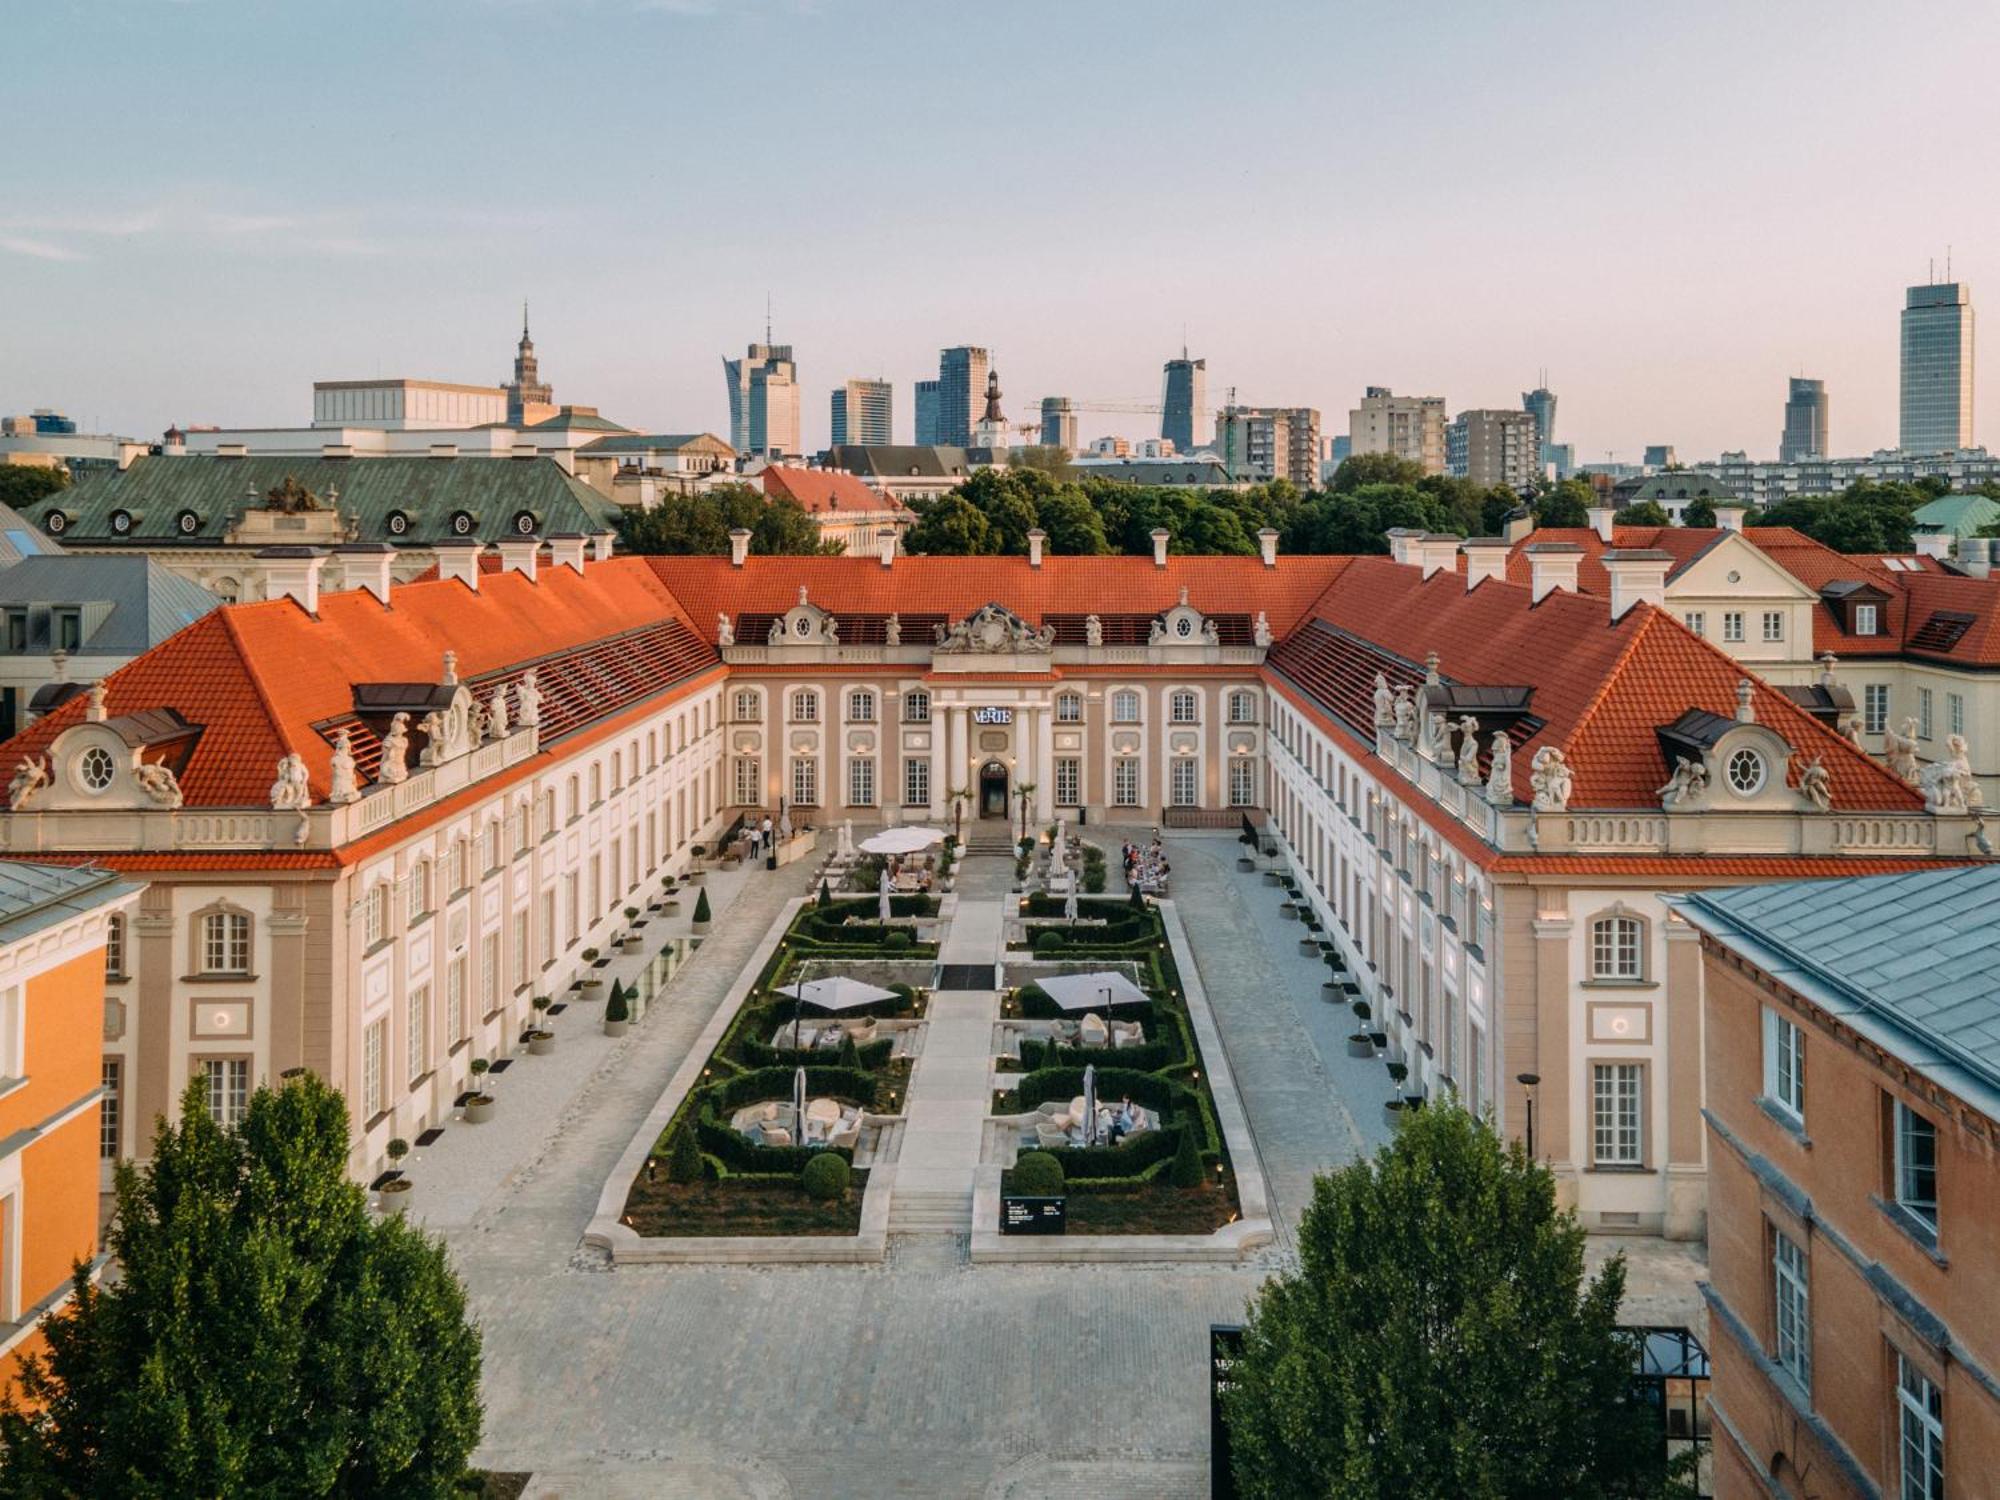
{"x":1528,"y":1082}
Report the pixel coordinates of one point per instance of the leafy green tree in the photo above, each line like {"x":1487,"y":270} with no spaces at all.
{"x":700,"y":524}
{"x":1645,"y":513}
{"x":1074,"y":526}
{"x":1867,"y":516}
{"x":950,"y":526}
{"x":1359,"y":470}
{"x":1438,"y":1340}
{"x":1698,"y":513}
{"x":266,"y":1334}
{"x":22,"y":486}
{"x":1568,"y":504}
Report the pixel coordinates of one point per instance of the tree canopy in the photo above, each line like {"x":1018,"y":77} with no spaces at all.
{"x":1568,"y":504}
{"x":1438,"y":1339}
{"x":266,"y":1335}
{"x":701,"y":523}
{"x":22,"y":486}
{"x":1868,"y":516}
{"x":1648,"y":513}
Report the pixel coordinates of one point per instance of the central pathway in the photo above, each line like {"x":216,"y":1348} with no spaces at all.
{"x":945,"y":1118}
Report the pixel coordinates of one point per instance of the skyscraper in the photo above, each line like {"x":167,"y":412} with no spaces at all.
{"x":528,"y":398}
{"x":863,"y":412}
{"x":763,"y":401}
{"x":1184,"y":403}
{"x":1540,"y":403}
{"x":1058,"y":423}
{"x":1805,"y":422}
{"x":961,"y":393}
{"x":928,"y":396}
{"x":1937,"y":368}
{"x":1410,"y":427}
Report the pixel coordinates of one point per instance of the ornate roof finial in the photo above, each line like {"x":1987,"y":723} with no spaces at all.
{"x":450,"y":668}
{"x":96,"y":712}
{"x":1746,"y":712}
{"x":1431,"y":677}
{"x":1827,"y":662}
{"x":802,"y":593}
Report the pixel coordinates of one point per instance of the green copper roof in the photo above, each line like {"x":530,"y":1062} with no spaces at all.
{"x":1961,"y":515}
{"x":402,"y":501}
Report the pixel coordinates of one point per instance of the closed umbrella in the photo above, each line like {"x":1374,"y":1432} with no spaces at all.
{"x":882,"y":899}
{"x":1069,"y":907}
{"x":1089,"y":1103}
{"x":799,"y":1107}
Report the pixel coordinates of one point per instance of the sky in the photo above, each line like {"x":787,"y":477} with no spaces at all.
{"x":1670,"y":209}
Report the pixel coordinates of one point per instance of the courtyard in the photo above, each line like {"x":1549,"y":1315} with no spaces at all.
{"x":923,"y":1374}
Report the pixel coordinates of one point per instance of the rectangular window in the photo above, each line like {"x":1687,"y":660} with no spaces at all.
{"x":489,"y":987}
{"x":228,"y":1089}
{"x":749,"y":782}
{"x":1920,"y":1406}
{"x":1183,"y":708}
{"x":114,"y":948}
{"x":1916,"y":1165}
{"x":861,"y":781}
{"x":521,"y":948}
{"x":1923,"y":713}
{"x":1125,"y":781}
{"x":1774,"y":625}
{"x":861,"y":707}
{"x":225,"y":943}
{"x":1243,"y":782}
{"x":1069,"y":709}
{"x":1864,"y":619}
{"x":374,"y":1064}
{"x":916,"y":783}
{"x":69,"y":630}
{"x":1697,"y":621}
{"x":1792,"y":1320}
{"x":417,"y":1031}
{"x":1616,"y":1107}
{"x":1125,"y":707}
{"x":110,"y":1109}
{"x":375,"y":915}
{"x":805,"y":782}
{"x":418,"y":893}
{"x":1069,"y":782}
{"x":1875,"y":707}
{"x":1732,"y":624}
{"x":917,"y":707}
{"x":1614,"y":948}
{"x":17,"y":630}
{"x":1954,"y":713}
{"x":1784,"y":1065}
{"x":1184,"y":785}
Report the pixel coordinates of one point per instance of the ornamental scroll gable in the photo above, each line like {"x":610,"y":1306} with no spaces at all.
{"x":993,"y":629}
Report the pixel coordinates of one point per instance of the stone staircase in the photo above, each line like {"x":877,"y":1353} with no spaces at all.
{"x":930,"y":1210}
{"x":878,"y":1143}
{"x":990,"y":837}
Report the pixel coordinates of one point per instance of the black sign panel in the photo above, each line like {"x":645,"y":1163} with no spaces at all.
{"x":1225,"y":1347}
{"x":1031,"y":1216}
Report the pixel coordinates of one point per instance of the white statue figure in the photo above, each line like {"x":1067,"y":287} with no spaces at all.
{"x":892,"y":632}
{"x":432,"y":727}
{"x":1437,"y":736}
{"x":1746,"y":711}
{"x":1183,"y":596}
{"x":1468,"y":750}
{"x":496,"y":713}
{"x":1431,"y":676}
{"x":1093,"y":631}
{"x":1817,"y":784}
{"x":1550,"y":776}
{"x":1899,"y":751}
{"x":396,"y":751}
{"x":1157,"y":636}
{"x":1406,"y":714}
{"x":1947,"y":784}
{"x":725,"y":633}
{"x":158,"y":783}
{"x":96,"y":712}
{"x":775,"y":636}
{"x":30,"y":776}
{"x":1851,"y":727}
{"x":291,"y":791}
{"x":344,"y":785}
{"x":1500,"y":771}
{"x":1690,"y":779}
{"x":450,"y":668}
{"x":802,"y":593}
{"x":528,"y":701}
{"x":475,"y":724}
{"x":1210,"y":636}
{"x":1260,"y":630}
{"x":829,"y":630}
{"x":1385,"y":704}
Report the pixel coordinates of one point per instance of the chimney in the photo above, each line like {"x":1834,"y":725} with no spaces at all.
{"x":600,"y":545}
{"x":1160,"y":534}
{"x":566,"y":550}
{"x":293,"y":572}
{"x":1485,"y":557}
{"x":519,"y":554}
{"x":365,"y":565}
{"x":885,"y":544}
{"x":1729,"y":515}
{"x":1975,"y":556}
{"x":739,"y":545}
{"x":1437,"y":552}
{"x":1036,"y":536}
{"x":1551,"y":566}
{"x":1601,"y":519}
{"x":458,"y":557}
{"x":1932,"y":542}
{"x":1404,"y":544}
{"x":1520,"y":525}
{"x":1638,"y":576}
{"x":1267,"y":545}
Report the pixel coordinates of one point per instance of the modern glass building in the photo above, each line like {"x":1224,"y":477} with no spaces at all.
{"x":928,"y":393}
{"x":961,"y":393}
{"x":1540,"y":403}
{"x":1184,"y":403}
{"x":1937,"y":368}
{"x":863,"y":412}
{"x":1804,"y":439}
{"x":763,"y":401}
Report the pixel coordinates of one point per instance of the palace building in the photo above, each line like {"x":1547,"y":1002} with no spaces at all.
{"x":373,"y":824}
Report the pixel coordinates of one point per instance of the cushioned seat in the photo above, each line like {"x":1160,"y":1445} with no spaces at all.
{"x":776,"y":1135}
{"x":1093,"y":1030}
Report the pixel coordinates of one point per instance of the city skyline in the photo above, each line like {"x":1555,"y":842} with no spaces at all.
{"x":212,"y":278}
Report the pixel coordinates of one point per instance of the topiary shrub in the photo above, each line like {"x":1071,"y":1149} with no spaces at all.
{"x":825,"y":896}
{"x":1186,"y":1170}
{"x":616,"y":1008}
{"x":701,"y":906}
{"x":684,"y":1159}
{"x":1048,"y":940}
{"x":1037,"y":1174}
{"x":897,"y":940}
{"x":850,"y":1054}
{"x":826,"y":1177}
{"x":1137,"y":898}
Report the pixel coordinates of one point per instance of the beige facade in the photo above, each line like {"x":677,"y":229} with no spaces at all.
{"x":1408,"y":427}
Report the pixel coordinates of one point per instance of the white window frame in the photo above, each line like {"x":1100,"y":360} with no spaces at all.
{"x":1791,"y":1308}
{"x":1242,"y":782}
{"x":417,"y":1032}
{"x":1069,"y":781}
{"x":1184,"y":781}
{"x":1069,"y":708}
{"x":861,"y":781}
{"x":1732,"y":626}
{"x":805,"y":781}
{"x":1618,"y":948}
{"x":1618,"y":1114}
{"x":1919,"y":1434}
{"x":1865,"y":618}
{"x":1242,"y":707}
{"x":749,"y":781}
{"x":1125,"y":781}
{"x":1774,"y":626}
{"x":805,"y":706}
{"x":916,"y":707}
{"x":1696,"y":621}
{"x":228,"y":1080}
{"x":374,"y":1067}
{"x":1923,"y":713}
{"x":1909,"y":1127}
{"x":1125,"y":706}
{"x":1874,"y":707}
{"x":111,"y":1110}
{"x":861,"y":706}
{"x":1183,"y":706}
{"x":916,"y":782}
{"x":114,"y":946}
{"x":225,"y":942}
{"x":747,"y":706}
{"x":1784,"y":1066}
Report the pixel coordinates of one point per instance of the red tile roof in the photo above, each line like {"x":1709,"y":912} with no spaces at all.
{"x":820,"y":491}
{"x":1685,"y":543}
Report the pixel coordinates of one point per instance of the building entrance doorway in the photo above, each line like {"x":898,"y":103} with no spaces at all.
{"x":993,"y":790}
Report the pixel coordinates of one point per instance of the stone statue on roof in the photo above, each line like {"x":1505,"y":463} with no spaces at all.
{"x":96,"y":712}
{"x":892,"y":631}
{"x":432,"y":726}
{"x":395,"y":765}
{"x":1157,"y":636}
{"x":288,"y":497}
{"x":528,"y":701}
{"x":1385,"y":703}
{"x":344,"y":784}
{"x":1689,"y":781}
{"x":292,"y":791}
{"x":996,"y":629}
{"x":30,"y":776}
{"x":1816,"y":784}
{"x":1093,"y":631}
{"x":725,"y":633}
{"x":496,"y":713}
{"x":775,"y":636}
{"x":1948,"y":784}
{"x":1500,"y":771}
{"x":1468,"y":750}
{"x":159,"y":784}
{"x":1405,"y":714}
{"x":1210,"y":636}
{"x":1899,"y":751}
{"x":1260,"y":630}
{"x":1552,"y":779}
{"x":829,"y":630}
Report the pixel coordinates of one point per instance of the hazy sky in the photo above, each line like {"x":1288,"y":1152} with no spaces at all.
{"x":1671,"y":208}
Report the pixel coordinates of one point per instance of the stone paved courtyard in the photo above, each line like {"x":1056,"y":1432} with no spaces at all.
{"x":921,"y":1376}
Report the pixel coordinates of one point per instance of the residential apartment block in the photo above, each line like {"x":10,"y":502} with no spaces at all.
{"x":1494,"y":448}
{"x":1407,"y":427}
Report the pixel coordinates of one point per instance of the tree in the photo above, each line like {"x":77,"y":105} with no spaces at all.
{"x":22,"y":486}
{"x":266,"y":1335}
{"x":1568,"y":504}
{"x":1075,"y":528}
{"x":1437,"y":1339}
{"x":700,"y":524}
{"x":950,"y":526}
{"x":1698,"y":513}
{"x":1868,"y":516}
{"x":1360,"y":469}
{"x":1646,"y":513}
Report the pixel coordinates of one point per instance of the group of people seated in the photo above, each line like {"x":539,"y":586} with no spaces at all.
{"x":1062,"y":1126}
{"x":1146,"y":866}
{"x":910,"y":873}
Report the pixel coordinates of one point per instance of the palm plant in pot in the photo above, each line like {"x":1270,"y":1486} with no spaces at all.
{"x":396,"y":1191}
{"x":541,"y":1041}
{"x":617,"y":1015}
{"x":478,"y":1103}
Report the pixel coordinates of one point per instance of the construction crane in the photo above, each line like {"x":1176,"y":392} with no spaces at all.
{"x":1114,"y":406}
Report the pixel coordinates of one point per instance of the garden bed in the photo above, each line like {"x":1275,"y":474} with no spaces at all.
{"x":741,"y":1206}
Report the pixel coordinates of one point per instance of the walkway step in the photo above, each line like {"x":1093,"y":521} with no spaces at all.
{"x":930,"y":1211}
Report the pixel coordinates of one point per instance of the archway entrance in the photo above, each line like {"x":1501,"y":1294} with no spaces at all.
{"x":993,"y":790}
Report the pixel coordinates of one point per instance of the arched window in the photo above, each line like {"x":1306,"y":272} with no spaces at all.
{"x":1125,"y":707}
{"x":419,"y":900}
{"x":861,"y":706}
{"x":917,"y":706}
{"x":1617,"y":948}
{"x":805,"y":706}
{"x":1069,"y":708}
{"x":749,"y":704}
{"x":1242,"y":707}
{"x":114,"y":946}
{"x":1183,"y":707}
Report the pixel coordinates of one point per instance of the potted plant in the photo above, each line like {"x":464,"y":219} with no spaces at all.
{"x":396,"y":1191}
{"x":701,"y":913}
{"x":1288,"y":909}
{"x":478,"y":1103}
{"x":617,"y":1015}
{"x":588,"y":980}
{"x":1245,"y":861}
{"x":1392,"y":1107}
{"x":1309,"y":946}
{"x":541,"y":1041}
{"x":696,"y":854}
{"x":1359,"y":1045}
{"x":634,"y":941}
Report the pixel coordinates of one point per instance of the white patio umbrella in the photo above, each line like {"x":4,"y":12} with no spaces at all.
{"x":845,"y":842}
{"x":836,"y":994}
{"x":905,"y":839}
{"x":1090,"y":991}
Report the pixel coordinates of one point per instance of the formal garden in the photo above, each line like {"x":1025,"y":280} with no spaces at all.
{"x":774,"y":1137}
{"x":1108,"y":1087}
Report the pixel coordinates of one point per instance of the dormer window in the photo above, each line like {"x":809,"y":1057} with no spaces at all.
{"x":17,"y":630}
{"x":68,"y":628}
{"x":1746,"y":773}
{"x":1864,"y":619}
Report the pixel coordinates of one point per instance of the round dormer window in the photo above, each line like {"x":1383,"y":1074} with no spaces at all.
{"x":55,"y":523}
{"x":398,"y":523}
{"x":461,"y":523}
{"x":1746,"y":773}
{"x":95,"y":768}
{"x":187,"y":523}
{"x":524,"y":523}
{"x":802,"y":627}
{"x":1184,"y":626}
{"x":121,"y":522}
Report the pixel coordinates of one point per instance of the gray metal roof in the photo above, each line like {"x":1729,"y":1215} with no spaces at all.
{"x":900,"y":461}
{"x":34,"y":896}
{"x":140,"y":603}
{"x":20,"y":537}
{"x":1912,"y":961}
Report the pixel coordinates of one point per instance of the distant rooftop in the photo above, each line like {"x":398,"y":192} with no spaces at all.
{"x":34,"y":897}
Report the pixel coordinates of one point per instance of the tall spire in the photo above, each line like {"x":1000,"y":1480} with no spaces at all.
{"x":524,"y":320}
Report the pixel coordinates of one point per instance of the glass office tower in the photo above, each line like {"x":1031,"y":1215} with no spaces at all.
{"x":1937,"y":368}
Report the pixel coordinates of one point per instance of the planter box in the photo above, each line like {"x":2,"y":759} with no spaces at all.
{"x":671,"y":906}
{"x":1392,"y":1111}
{"x":619,"y":1028}
{"x":1332,"y":991}
{"x":1288,"y":911}
{"x":694,"y":877}
{"x":634,"y":944}
{"x":1246,"y":864}
{"x":1308,"y":947}
{"x":542,"y":1043}
{"x":478,"y":1111}
{"x":699,"y":929}
{"x":395,"y":1195}
{"x":1359,"y":1046}
{"x":1272,"y":877}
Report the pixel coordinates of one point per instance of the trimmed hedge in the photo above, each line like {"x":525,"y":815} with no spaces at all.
{"x":1122,"y":924}
{"x":1148,"y":1057}
{"x":776,"y":1083}
{"x":1064,"y":1084}
{"x":763,"y":1055}
{"x":826,"y":1176}
{"x":1038,"y":1174}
